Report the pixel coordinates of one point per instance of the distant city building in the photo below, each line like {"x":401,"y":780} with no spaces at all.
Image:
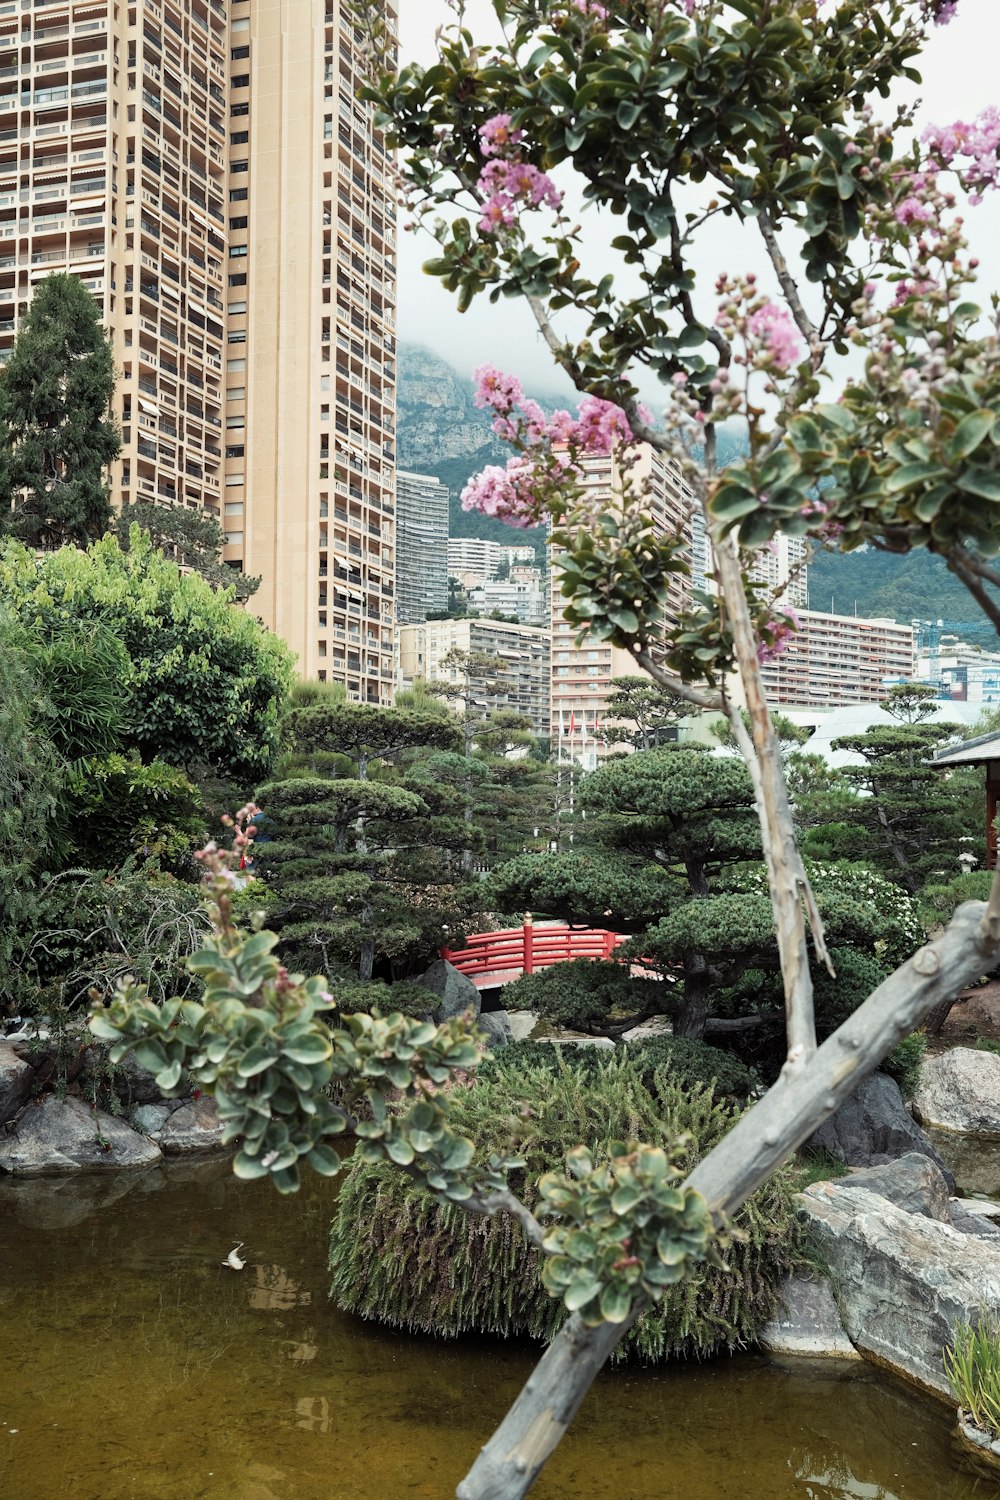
{"x":839,"y":659}
{"x":960,"y":672}
{"x":524,"y":597}
{"x":581,"y":675}
{"x":421,"y":546}
{"x":523,"y":649}
{"x":473,"y":561}
{"x":780,"y":567}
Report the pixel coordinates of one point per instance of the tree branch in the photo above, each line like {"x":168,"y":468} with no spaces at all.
{"x":713,"y":702}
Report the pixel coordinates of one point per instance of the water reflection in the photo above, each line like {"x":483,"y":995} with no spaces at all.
{"x":135,"y":1366}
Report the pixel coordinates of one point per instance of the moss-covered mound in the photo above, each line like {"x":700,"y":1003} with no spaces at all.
{"x":401,"y":1258}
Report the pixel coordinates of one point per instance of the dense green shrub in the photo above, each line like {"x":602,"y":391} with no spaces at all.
{"x":402,"y":1258}
{"x":905,"y":1061}
{"x":938,"y":901}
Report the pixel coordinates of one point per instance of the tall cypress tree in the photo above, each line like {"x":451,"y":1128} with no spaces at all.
{"x":57,"y":436}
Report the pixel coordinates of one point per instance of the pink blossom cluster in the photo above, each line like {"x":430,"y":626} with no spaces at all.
{"x":970,"y":148}
{"x":774,"y":331}
{"x":509,"y":494}
{"x":598,"y":427}
{"x":777,"y":633}
{"x":515,"y":493}
{"x":509,"y":184}
{"x":496,"y":137}
{"x":591,"y":8}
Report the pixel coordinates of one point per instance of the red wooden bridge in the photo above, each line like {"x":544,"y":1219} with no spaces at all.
{"x":494,"y":958}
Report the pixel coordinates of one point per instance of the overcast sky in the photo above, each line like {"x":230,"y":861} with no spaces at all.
{"x":960,"y":78}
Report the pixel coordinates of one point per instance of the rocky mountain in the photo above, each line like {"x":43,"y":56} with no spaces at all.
{"x":436,"y":419}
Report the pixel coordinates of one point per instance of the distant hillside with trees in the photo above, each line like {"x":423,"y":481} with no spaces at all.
{"x":917,"y":586}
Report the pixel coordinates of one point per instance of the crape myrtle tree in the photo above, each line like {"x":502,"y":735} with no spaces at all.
{"x":670,"y":116}
{"x":57,"y":436}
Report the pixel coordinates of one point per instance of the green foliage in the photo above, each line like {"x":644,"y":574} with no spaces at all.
{"x":905,"y":1062}
{"x":639,"y":713}
{"x":972,"y":1366}
{"x":204,"y":682}
{"x":694,"y":1065}
{"x":593,"y":995}
{"x":630,"y":1228}
{"x":911,"y":817}
{"x":90,"y":930}
{"x":82,"y":670}
{"x":189,"y":537}
{"x":987,"y":1044}
{"x":402,"y":1258}
{"x":938,"y":901}
{"x":117,"y":808}
{"x":56,"y":435}
{"x":31,"y":784}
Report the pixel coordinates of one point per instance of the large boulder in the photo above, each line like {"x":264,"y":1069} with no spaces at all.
{"x":873,"y":1126}
{"x":456,"y":993}
{"x":903,"y":1282}
{"x":65,"y":1135}
{"x":16,"y":1078}
{"x":807,"y":1321}
{"x":960,"y":1090}
{"x":913,"y":1182}
{"x":494,"y":1026}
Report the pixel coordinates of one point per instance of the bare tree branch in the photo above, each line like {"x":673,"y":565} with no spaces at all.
{"x":713,"y":702}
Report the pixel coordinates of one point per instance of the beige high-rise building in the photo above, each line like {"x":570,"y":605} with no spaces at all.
{"x":205,"y":167}
{"x":582,"y":674}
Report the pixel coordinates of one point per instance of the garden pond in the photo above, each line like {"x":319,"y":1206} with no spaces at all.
{"x":134,"y":1365}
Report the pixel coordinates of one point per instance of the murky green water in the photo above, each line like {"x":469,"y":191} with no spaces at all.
{"x":134,"y":1366}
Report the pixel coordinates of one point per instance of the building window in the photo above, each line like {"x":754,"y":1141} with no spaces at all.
{"x":239,"y":137}
{"x":240,"y":279}
{"x":241,"y":81}
{"x":234,"y":450}
{"x":238,"y":53}
{"x":239,"y":166}
{"x":236,"y":393}
{"x":240,"y":222}
{"x":236,"y":110}
{"x":239,"y":195}
{"x":237,"y":252}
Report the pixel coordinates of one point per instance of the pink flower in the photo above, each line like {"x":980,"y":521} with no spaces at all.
{"x":508,"y":184}
{"x":591,"y":8}
{"x":602,"y":425}
{"x":773,"y":327}
{"x":496,"y":136}
{"x":509,"y":494}
{"x":912,"y":211}
{"x":943,"y":11}
{"x":495,"y":389}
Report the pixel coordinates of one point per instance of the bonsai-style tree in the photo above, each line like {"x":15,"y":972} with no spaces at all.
{"x":57,"y":436}
{"x":669,"y":118}
{"x":191,"y":538}
{"x":639,"y":713}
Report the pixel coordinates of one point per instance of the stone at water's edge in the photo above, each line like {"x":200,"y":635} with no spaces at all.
{"x":194,"y":1126}
{"x":456,"y":993}
{"x":872,"y":1127}
{"x":903,"y":1282}
{"x":16,"y":1078}
{"x":807,"y":1322}
{"x":66,"y":1135}
{"x":960,"y":1090}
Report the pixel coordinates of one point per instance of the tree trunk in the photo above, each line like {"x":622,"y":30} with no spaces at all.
{"x":798,"y":1103}
{"x":690,"y":1018}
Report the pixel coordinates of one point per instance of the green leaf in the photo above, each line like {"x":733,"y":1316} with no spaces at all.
{"x":581,"y":1290}
{"x":910,"y":475}
{"x":248,"y":1168}
{"x":616,"y":1303}
{"x":970,"y":433}
{"x":980,"y":481}
{"x":169,"y":1077}
{"x":308,"y":1049}
{"x":255,"y":1061}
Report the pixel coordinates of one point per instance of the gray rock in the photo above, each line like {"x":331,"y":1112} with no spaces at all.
{"x":53,"y":1136}
{"x":967,"y":1221}
{"x":522,"y":1023}
{"x":903,"y":1282}
{"x":603,"y":1043}
{"x":193,"y":1127}
{"x":150,"y":1118}
{"x":495,"y":1027}
{"x":960,"y":1090}
{"x":16,"y":1078}
{"x":807,"y":1321}
{"x":456,"y":993}
{"x":872,"y":1126}
{"x":134,"y":1083}
{"x":913,"y":1183}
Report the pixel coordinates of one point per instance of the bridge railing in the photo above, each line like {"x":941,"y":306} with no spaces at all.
{"x":527,"y":948}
